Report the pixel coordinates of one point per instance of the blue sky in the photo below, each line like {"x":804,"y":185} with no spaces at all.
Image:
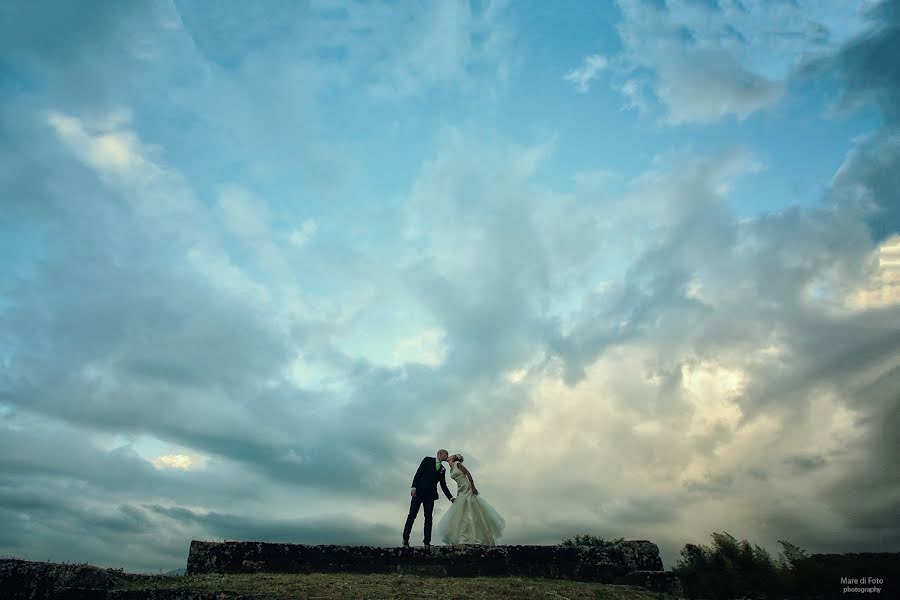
{"x":639,"y":261}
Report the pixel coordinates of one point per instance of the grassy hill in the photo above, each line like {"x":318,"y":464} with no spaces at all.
{"x":351,"y":586}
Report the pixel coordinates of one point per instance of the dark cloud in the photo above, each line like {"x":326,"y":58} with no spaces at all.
{"x":63,"y":454}
{"x":868,"y":72}
{"x":31,"y":29}
{"x":50,"y":522}
{"x":869,"y":179}
{"x":866,"y":62}
{"x":759,"y":474}
{"x":875,"y":467}
{"x":641,"y":511}
{"x":718,"y":485}
{"x":801,"y":464}
{"x":343,"y":529}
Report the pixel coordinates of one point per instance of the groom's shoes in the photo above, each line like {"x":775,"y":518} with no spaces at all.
{"x":428,"y":546}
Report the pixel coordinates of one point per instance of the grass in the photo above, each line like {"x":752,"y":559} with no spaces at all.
{"x":352,"y":586}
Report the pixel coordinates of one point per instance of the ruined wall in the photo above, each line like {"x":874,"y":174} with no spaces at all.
{"x":612,"y":564}
{"x":33,"y":580}
{"x":629,"y":563}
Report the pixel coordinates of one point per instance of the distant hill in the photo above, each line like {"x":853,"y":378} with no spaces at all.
{"x":176,"y":572}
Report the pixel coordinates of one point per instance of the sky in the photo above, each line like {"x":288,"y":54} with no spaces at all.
{"x":638,"y":261}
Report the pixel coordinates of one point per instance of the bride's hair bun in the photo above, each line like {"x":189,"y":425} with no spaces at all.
{"x":459,"y":458}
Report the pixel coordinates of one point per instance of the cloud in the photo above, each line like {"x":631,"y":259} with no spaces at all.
{"x":111,"y":152}
{"x":706,"y":329}
{"x":801,"y":464}
{"x":439,"y":47}
{"x":863,"y":63}
{"x":177,"y":461}
{"x":303,"y":234}
{"x":883,"y":288}
{"x":422,"y":348}
{"x":714,"y":329}
{"x":244,"y":215}
{"x":582,"y":76}
{"x":868,"y":176}
{"x":203,"y":270}
{"x":344,"y":529}
{"x":700,"y":63}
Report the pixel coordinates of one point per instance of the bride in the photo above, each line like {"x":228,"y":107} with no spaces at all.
{"x":470,"y":519}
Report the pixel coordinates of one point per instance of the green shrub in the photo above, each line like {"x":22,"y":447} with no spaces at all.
{"x":589,"y":540}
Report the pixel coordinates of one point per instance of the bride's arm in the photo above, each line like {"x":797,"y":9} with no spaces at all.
{"x":468,"y":476}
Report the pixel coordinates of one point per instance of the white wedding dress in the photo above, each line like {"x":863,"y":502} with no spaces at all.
{"x":470,"y":519}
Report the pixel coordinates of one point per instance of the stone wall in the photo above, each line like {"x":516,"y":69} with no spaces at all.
{"x":629,"y":563}
{"x":38,"y":580}
{"x":611,"y":564}
{"x":35,"y":580}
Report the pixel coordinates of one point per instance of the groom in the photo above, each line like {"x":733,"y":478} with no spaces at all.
{"x":424,"y":493}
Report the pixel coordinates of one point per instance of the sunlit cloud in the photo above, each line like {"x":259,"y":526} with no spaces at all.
{"x":181,"y":462}
{"x":883,"y":286}
{"x":110,"y":152}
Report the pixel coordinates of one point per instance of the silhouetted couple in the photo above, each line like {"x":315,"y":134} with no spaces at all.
{"x":470,"y":519}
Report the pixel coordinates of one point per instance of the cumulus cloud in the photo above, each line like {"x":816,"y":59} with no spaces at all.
{"x":582,"y":76}
{"x":710,"y":333}
{"x":883,"y":288}
{"x":699,"y":62}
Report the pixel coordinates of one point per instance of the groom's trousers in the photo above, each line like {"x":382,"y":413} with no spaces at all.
{"x":427,"y":505}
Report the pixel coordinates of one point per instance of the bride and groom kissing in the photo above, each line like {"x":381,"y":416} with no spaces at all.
{"x":469,"y":520}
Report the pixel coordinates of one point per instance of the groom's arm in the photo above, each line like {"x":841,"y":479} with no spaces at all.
{"x":444,"y":486}
{"x":419,"y":471}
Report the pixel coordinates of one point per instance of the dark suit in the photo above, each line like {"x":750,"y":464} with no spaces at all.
{"x":425,"y":481}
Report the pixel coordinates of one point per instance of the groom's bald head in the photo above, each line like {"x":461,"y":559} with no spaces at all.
{"x":442,"y":455}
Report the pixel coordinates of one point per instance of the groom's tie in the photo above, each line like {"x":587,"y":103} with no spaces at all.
{"x":437,"y":465}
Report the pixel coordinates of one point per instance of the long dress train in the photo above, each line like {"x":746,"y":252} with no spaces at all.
{"x":470,"y":519}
